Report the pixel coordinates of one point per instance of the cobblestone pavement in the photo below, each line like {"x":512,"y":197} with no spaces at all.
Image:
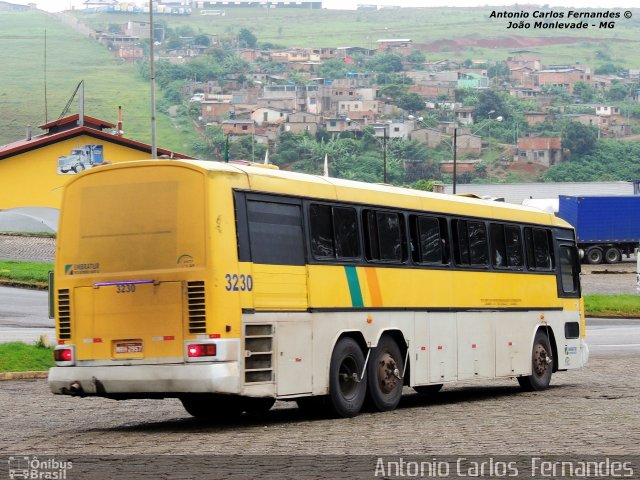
{"x":595,"y":410}
{"x":33,"y":249}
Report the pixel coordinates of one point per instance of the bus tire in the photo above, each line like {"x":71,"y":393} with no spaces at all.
{"x":384,"y":372}
{"x":347,"y":387}
{"x":257,"y":405}
{"x":612,"y":255}
{"x":541,"y":365}
{"x":428,"y":389}
{"x":211,"y":407}
{"x":594,"y":255}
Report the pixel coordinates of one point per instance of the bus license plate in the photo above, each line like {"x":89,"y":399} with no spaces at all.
{"x":129,"y":347}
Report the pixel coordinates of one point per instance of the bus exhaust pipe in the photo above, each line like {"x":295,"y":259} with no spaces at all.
{"x":76,"y":389}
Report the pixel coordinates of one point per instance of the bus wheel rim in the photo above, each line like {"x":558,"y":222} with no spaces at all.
{"x":541,"y":360}
{"x":388,"y":374}
{"x":348,"y":377}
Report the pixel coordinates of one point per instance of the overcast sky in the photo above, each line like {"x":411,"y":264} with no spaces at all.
{"x":58,"y":5}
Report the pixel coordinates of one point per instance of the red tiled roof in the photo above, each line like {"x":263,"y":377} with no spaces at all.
{"x":44,"y":139}
{"x":74,"y":119}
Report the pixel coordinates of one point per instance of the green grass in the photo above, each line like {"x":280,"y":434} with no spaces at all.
{"x":71,"y":58}
{"x":20,"y":357}
{"x":612,"y":306}
{"x":25,"y":273}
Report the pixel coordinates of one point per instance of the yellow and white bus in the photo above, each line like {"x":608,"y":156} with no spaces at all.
{"x":231,"y":286}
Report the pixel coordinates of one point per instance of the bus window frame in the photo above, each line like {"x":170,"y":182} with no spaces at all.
{"x":401,"y":214}
{"x":307,"y":204}
{"x":565,"y":239}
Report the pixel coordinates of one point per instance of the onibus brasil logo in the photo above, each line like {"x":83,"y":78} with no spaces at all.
{"x":32,"y":467}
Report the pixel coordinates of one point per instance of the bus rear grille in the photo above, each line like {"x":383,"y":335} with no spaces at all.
{"x":64,"y":314}
{"x":197,"y":310}
{"x":258,"y":345}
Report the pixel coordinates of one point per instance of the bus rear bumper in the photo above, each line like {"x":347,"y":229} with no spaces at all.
{"x":145,"y":380}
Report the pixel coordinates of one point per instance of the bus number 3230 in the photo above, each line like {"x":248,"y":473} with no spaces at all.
{"x":238,"y":283}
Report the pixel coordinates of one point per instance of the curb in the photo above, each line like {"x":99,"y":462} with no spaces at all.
{"x":22,"y":375}
{"x":17,"y":284}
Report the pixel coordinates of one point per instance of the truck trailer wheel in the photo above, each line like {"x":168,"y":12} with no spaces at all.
{"x":594,"y":255}
{"x":612,"y":255}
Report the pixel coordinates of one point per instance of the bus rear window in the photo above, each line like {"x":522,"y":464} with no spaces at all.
{"x":119,"y":220}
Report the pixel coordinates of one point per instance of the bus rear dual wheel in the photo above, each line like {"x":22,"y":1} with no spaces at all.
{"x":349,"y":385}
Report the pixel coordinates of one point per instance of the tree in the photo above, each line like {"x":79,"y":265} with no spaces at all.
{"x":411,"y":102}
{"x":584,"y":91}
{"x":417,"y":56}
{"x":499,"y":70}
{"x":426,"y":185}
{"x":393,"y":91}
{"x":333,"y":68}
{"x":608,"y":69}
{"x":578,"y":138}
{"x":202,"y":39}
{"x":617,"y":93}
{"x":491,"y":105}
{"x":247,"y":39}
{"x":385,"y":63}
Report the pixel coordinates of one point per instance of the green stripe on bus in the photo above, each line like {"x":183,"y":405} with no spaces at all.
{"x":354,"y":287}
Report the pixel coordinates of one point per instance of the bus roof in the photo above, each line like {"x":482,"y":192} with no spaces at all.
{"x":336,"y":189}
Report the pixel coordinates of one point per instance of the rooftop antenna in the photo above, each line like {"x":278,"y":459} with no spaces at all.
{"x":80,"y":87}
{"x":154,"y":147}
{"x":46,"y":110}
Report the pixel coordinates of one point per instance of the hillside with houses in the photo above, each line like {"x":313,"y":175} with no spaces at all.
{"x":391,"y":101}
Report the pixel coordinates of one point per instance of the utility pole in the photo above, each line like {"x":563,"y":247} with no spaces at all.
{"x":384,"y":155}
{"x":455,"y":158}
{"x":154,"y":147}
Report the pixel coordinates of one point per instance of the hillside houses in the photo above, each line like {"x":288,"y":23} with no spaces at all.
{"x":341,"y":92}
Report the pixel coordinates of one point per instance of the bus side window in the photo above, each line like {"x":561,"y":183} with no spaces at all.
{"x":322,"y":245}
{"x":498,"y":247}
{"x":569,"y":270}
{"x":429,"y":240}
{"x":384,"y":236}
{"x":347,"y":237}
{"x":334,"y":232}
{"x":275,"y":233}
{"x":470,"y":244}
{"x":539,"y":254}
{"x":506,"y":246}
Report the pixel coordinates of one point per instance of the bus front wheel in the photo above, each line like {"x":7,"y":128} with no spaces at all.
{"x":541,"y":365}
{"x":384,"y":370}
{"x":347,"y":384}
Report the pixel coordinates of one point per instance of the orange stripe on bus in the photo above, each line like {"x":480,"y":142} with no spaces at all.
{"x":374,"y":287}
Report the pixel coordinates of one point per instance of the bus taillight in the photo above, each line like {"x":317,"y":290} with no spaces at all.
{"x":63,"y":355}
{"x":201,"y":350}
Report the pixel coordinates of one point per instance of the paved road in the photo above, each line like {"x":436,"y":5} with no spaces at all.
{"x":607,"y":336}
{"x":24,"y":315}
